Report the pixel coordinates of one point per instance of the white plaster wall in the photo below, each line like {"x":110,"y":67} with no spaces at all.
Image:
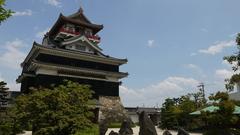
{"x":46,"y":71}
{"x":235,"y":96}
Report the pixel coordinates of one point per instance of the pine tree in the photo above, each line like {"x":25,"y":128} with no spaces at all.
{"x":3,"y":95}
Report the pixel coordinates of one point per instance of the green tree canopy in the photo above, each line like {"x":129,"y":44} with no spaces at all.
{"x":223,"y":118}
{"x":3,"y":105}
{"x":3,"y":95}
{"x":175,"y":112}
{"x":234,"y":60}
{"x":4,"y":13}
{"x":62,"y":110}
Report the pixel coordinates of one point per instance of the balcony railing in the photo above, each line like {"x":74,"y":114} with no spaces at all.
{"x":93,"y":38}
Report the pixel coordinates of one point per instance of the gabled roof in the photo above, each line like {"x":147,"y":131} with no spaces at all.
{"x":37,"y":48}
{"x":35,"y":64}
{"x":77,"y":18}
{"x":81,"y":38}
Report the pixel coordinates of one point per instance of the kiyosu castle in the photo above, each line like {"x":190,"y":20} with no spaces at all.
{"x":70,"y":50}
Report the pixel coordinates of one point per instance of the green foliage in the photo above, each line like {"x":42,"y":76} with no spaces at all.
{"x":235,"y":78}
{"x":62,"y":110}
{"x":231,"y":131}
{"x":168,"y":119}
{"x":4,"y":120}
{"x":5,"y":127}
{"x":224,"y":117}
{"x":230,"y":82}
{"x":8,"y":124}
{"x":234,"y":60}
{"x":175,"y":112}
{"x":198,"y":98}
{"x":218,"y":132}
{"x":3,"y":95}
{"x":4,"y":13}
{"x":229,"y":85}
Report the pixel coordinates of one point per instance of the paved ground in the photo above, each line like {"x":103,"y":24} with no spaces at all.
{"x":136,"y":130}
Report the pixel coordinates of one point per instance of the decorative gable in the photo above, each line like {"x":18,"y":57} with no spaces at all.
{"x":81,"y":43}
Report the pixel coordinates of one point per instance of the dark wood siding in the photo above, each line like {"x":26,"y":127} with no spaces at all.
{"x":76,"y":63}
{"x":99,"y":87}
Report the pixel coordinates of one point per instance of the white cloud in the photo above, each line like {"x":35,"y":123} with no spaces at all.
{"x":225,"y":62}
{"x":13,"y":86}
{"x":196,"y":69}
{"x":54,"y":3}
{"x":223,"y":74}
{"x":192,"y":66}
{"x":217,"y":48}
{"x":193,"y":54}
{"x":27,"y":12}
{"x":204,"y":30}
{"x":233,"y":35}
{"x":157,"y":93}
{"x":1,"y":78}
{"x":40,"y":34}
{"x":13,"y":56}
{"x":150,"y":43}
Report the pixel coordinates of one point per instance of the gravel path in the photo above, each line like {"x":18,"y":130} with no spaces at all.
{"x":136,"y":130}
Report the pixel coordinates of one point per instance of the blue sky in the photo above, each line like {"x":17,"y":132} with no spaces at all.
{"x":171,"y":45}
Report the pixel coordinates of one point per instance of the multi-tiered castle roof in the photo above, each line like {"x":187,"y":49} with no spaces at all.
{"x":70,"y":50}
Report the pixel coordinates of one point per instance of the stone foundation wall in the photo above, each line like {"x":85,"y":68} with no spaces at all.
{"x":111,"y":109}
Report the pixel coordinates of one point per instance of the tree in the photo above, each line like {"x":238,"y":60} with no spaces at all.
{"x":186,"y":106}
{"x":223,"y":118}
{"x":61,"y":110}
{"x":4,"y":126}
{"x":234,"y":60}
{"x":198,"y":97}
{"x":3,"y":95}
{"x":175,"y":112}
{"x":4,"y":13}
{"x":167,"y":116}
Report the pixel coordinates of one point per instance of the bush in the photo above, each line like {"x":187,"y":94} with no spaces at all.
{"x":219,"y":132}
{"x":235,"y":131}
{"x":60,"y":110}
